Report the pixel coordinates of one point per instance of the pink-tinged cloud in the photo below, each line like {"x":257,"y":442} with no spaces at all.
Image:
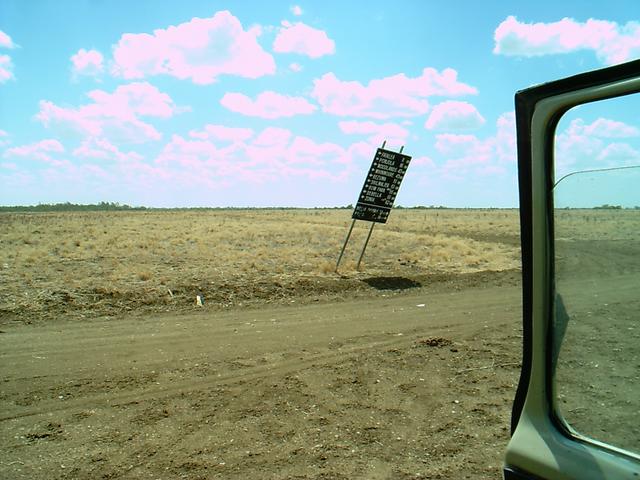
{"x":222,"y":133}
{"x":465,"y":154}
{"x":5,"y":40}
{"x":270,"y":155}
{"x":271,"y":136}
{"x":267,"y":105}
{"x":4,"y":138}
{"x":102,"y":149}
{"x":41,"y":150}
{"x":295,"y":156}
{"x":506,"y":138}
{"x":376,"y":132}
{"x":585,"y":145}
{"x":619,"y":154}
{"x":295,"y":67}
{"x":182,"y":158}
{"x":87,"y":63}
{"x":465,"y":165}
{"x":114,"y":116}
{"x":603,"y":128}
{"x":140,"y":98}
{"x":307,"y":151}
{"x":454,"y":144}
{"x":6,"y":68}
{"x":423,"y":161}
{"x":573,"y":148}
{"x":304,"y":40}
{"x":454,"y":115}
{"x":199,"y":50}
{"x":187,"y":153}
{"x":612,"y":43}
{"x":395,"y":96}
{"x":296,"y":10}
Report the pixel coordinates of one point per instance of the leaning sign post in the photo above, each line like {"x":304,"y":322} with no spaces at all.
{"x":378,"y":192}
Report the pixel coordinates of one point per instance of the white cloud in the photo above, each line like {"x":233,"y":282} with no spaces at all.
{"x":101,"y":148}
{"x":114,"y":116}
{"x":296,"y":10}
{"x":6,"y":65}
{"x":270,"y":155}
{"x":87,"y":63}
{"x":506,"y":138}
{"x":271,"y":136}
{"x":5,"y":40}
{"x":267,"y":105}
{"x":619,"y":154}
{"x":454,"y":115}
{"x":394,"y":96}
{"x":604,"y":128}
{"x":304,"y":40}
{"x":467,"y":154}
{"x":199,"y":50}
{"x":4,"y":138}
{"x":222,"y":133}
{"x":42,"y":150}
{"x":611,"y":42}
{"x":583,"y":145}
{"x":6,"y":68}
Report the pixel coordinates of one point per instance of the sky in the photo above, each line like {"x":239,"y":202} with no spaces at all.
{"x":252,"y":103}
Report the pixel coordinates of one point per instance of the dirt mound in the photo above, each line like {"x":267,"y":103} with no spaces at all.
{"x":242,"y":292}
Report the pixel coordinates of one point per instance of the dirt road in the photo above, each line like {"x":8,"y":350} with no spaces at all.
{"x":402,"y":386}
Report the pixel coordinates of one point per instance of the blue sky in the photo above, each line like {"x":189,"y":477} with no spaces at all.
{"x":195,"y":103}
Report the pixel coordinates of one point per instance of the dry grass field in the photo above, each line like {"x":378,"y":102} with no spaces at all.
{"x":107,"y":263}
{"x":404,"y":370}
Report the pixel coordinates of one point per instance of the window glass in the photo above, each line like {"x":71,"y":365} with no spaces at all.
{"x":596,"y":335}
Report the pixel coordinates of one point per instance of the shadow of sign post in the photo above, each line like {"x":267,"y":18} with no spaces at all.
{"x":378,"y":193}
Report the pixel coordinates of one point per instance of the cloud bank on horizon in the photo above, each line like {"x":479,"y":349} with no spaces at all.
{"x":612,"y":43}
{"x":220,"y":111}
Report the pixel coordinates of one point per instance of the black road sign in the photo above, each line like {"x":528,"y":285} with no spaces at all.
{"x":381,"y":186}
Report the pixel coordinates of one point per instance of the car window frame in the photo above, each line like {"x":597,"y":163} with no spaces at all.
{"x":534,"y":419}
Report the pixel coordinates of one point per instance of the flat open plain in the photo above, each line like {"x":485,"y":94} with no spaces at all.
{"x":404,"y":370}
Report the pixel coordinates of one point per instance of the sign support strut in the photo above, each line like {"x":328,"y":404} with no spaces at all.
{"x":366,"y":242}
{"x":346,"y":240}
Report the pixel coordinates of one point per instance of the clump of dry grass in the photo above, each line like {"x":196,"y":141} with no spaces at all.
{"x":145,"y":275}
{"x":326,"y":267}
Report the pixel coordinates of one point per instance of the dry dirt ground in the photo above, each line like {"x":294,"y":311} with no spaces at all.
{"x":289,"y":371}
{"x":405,"y":370}
{"x":396,"y":386}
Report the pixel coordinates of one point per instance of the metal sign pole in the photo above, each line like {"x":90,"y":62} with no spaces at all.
{"x":346,"y":240}
{"x":365,"y":245}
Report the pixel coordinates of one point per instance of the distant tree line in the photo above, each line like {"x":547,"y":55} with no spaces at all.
{"x":116,"y":206}
{"x":71,"y":207}
{"x":606,"y":206}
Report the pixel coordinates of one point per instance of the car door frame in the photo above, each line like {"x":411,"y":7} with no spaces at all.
{"x":541,"y":447}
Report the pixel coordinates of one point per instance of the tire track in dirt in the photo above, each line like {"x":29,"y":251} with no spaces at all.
{"x":211,"y":381}
{"x":372,"y":322}
{"x":160,"y":329}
